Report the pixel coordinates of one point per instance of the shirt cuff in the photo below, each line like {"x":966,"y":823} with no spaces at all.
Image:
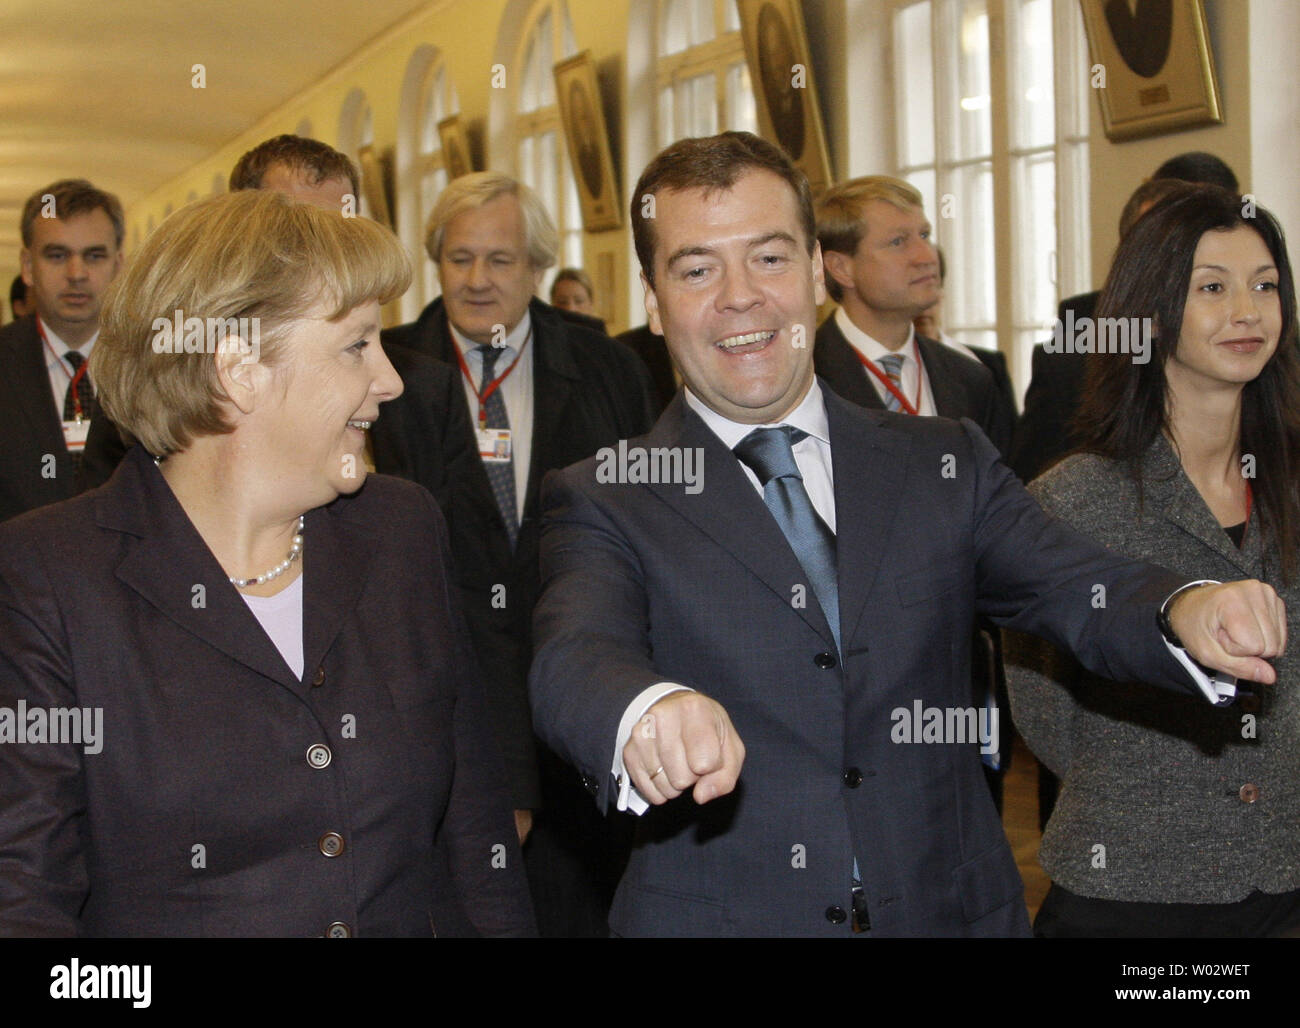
{"x":1218,"y":687}
{"x":628,"y":797}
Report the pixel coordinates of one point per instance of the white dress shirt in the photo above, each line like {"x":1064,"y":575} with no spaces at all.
{"x":516,"y":391}
{"x":872,"y":349}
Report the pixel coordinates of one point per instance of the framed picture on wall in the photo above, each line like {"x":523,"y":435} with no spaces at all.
{"x":455,"y":147}
{"x":588,"y":140}
{"x":374,"y":185}
{"x":776,"y":50}
{"x":1152,"y":68}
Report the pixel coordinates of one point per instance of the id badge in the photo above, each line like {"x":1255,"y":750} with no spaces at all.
{"x":74,"y":434}
{"x":494,"y":445}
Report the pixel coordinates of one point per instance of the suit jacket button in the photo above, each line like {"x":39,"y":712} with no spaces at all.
{"x":318,"y":679}
{"x":836,"y":915}
{"x":338,"y":930}
{"x":319,"y":756}
{"x":1249,"y":793}
{"x":852,"y":777}
{"x":331,"y":844}
{"x":825,"y":661}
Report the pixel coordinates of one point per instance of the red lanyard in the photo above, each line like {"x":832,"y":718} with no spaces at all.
{"x":904,"y":402}
{"x":492,"y":386}
{"x":73,"y":380}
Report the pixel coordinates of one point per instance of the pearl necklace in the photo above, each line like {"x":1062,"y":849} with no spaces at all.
{"x":295,"y":551}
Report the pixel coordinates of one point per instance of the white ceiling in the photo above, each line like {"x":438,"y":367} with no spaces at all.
{"x":101,"y":89}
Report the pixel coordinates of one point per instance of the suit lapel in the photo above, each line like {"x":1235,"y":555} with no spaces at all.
{"x":869,"y":469}
{"x":729,"y":510}
{"x":167,"y":561}
{"x":949,"y":401}
{"x":31,"y":391}
{"x":478,"y":490}
{"x":1168,"y":493}
{"x":839,"y":366}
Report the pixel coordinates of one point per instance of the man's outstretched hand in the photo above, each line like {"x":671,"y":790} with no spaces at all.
{"x":1235,"y":627}
{"x":685,"y":741}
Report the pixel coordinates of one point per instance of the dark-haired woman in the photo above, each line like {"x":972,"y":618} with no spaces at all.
{"x":1178,"y":819}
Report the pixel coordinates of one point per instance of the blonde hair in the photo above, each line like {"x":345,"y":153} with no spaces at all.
{"x":470,"y":192}
{"x":250,"y":254}
{"x":839,"y":214}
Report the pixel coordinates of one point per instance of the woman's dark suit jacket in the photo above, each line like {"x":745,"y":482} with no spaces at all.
{"x":202,"y":814}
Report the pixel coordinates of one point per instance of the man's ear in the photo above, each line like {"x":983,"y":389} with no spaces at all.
{"x":25,"y":260}
{"x":651,"y":306}
{"x":839,"y":268}
{"x":819,"y":275}
{"x":246,"y":383}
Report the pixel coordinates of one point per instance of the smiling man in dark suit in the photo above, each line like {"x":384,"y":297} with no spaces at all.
{"x":541,"y":393}
{"x":755,"y":632}
{"x":72,"y":249}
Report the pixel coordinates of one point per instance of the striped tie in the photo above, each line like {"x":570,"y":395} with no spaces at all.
{"x":501,"y":474}
{"x":892,"y":365}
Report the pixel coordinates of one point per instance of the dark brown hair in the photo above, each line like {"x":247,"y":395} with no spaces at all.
{"x":318,"y":161}
{"x":73,"y":196}
{"x":1125,"y":405}
{"x":712,"y":163}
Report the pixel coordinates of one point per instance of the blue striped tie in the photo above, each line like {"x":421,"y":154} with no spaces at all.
{"x":500,"y":473}
{"x":892,"y":365}
{"x":769,"y":453}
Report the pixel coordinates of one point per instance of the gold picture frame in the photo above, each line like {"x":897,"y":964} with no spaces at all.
{"x":578,"y":94}
{"x":455,"y":147}
{"x":785,"y":90}
{"x":1152,"y":67}
{"x":374,"y":185}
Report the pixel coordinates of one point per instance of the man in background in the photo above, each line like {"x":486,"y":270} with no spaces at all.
{"x":72,"y":249}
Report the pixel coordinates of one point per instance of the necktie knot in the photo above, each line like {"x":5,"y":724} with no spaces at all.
{"x":74,"y":358}
{"x":769,"y":452}
{"x":892,"y":365}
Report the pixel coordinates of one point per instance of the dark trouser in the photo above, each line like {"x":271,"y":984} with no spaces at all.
{"x":1067,"y":915}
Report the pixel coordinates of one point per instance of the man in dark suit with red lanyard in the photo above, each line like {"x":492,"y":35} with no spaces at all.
{"x":72,"y":249}
{"x":883,"y":270}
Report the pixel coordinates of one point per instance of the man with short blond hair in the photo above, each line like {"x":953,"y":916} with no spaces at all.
{"x":72,"y":249}
{"x":883,"y":270}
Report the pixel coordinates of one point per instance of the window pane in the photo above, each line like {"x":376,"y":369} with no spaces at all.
{"x":924,"y":181}
{"x":914,"y":84}
{"x":546,"y":172}
{"x":1033,"y":96}
{"x":730,"y":16}
{"x":742,"y":116}
{"x":974,"y":134}
{"x":1035,"y":221}
{"x":667,"y":129}
{"x":700,"y":106}
{"x":702,"y":29}
{"x":674,"y":26}
{"x":968,"y":247}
